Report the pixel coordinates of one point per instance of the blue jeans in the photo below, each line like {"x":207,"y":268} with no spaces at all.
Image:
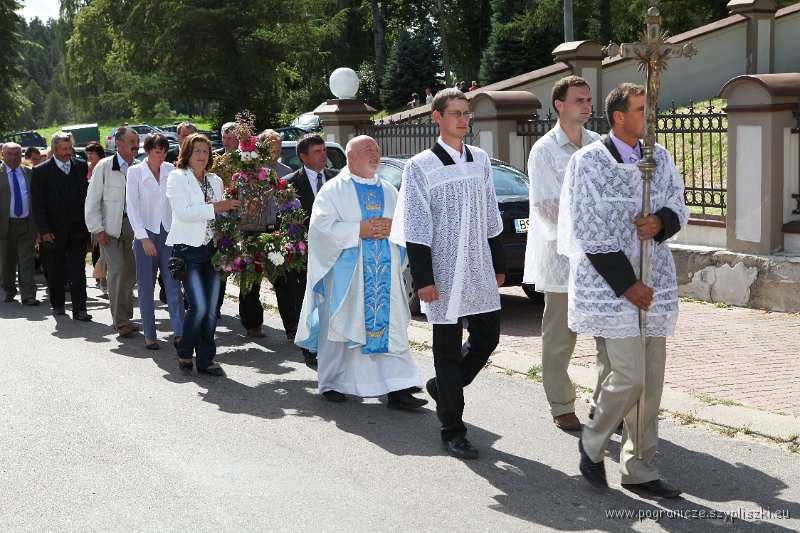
{"x":146,"y":268}
{"x":202,"y":292}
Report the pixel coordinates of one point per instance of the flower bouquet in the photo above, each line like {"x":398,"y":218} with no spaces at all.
{"x":246,"y":248}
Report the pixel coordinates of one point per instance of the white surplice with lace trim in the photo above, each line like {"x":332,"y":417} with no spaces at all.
{"x":599,"y":199}
{"x":453,"y":210}
{"x":544,"y":267}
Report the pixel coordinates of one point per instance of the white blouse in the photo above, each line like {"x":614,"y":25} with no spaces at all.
{"x":146,"y":199}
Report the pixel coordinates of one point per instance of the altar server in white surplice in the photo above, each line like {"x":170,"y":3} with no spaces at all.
{"x":600,"y":228}
{"x":448,"y":218}
{"x":355,"y":312}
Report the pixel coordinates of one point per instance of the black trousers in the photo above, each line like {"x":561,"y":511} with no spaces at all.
{"x":290,"y":290}
{"x":251,"y":312}
{"x":456,"y":365}
{"x":67,"y":264}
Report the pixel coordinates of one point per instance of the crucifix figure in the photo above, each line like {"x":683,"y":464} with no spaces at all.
{"x":652,"y":52}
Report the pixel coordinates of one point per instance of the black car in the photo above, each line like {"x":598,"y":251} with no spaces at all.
{"x":26,"y":139}
{"x":511,"y":188}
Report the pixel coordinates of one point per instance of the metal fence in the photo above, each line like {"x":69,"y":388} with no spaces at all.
{"x":405,"y":138}
{"x":697,"y":138}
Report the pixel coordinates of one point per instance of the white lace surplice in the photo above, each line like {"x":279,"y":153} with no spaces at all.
{"x":547,"y":163}
{"x":598,"y":201}
{"x":453,"y":210}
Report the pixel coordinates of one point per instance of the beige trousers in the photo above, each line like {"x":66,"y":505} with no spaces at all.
{"x":632,"y":369}
{"x":121,"y":275}
{"x":558,"y":344}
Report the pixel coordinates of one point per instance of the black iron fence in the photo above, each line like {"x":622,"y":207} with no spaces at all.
{"x":405,"y":138}
{"x":697,"y":138}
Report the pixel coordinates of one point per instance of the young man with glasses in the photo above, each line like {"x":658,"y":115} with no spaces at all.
{"x":448,"y":219}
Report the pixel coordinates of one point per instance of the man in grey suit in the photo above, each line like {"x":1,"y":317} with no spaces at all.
{"x":17,"y":228}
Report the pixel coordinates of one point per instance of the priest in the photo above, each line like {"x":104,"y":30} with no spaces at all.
{"x":355,"y":311}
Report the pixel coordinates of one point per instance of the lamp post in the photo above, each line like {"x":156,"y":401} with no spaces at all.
{"x":568,"y":35}
{"x":344,"y":83}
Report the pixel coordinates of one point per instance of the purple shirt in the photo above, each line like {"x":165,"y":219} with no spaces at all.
{"x":629,"y":154}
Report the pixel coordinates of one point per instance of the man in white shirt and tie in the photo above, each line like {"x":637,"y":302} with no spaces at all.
{"x":17,"y":230}
{"x":307,"y":181}
{"x":108,"y":222}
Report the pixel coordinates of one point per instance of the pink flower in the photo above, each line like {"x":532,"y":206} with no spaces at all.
{"x":240,"y":176}
{"x":281,"y":184}
{"x":248,"y":145}
{"x":262,"y":174}
{"x":302,"y":247}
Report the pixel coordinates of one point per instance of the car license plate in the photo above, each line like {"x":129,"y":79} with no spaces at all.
{"x":521,"y":225}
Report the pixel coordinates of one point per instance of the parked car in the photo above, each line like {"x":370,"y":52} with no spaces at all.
{"x":83,"y":134}
{"x":80,"y":152}
{"x":309,"y":121}
{"x":142,"y":130}
{"x":26,"y":138}
{"x":291,"y":133}
{"x":511,"y":188}
{"x":336,"y":157}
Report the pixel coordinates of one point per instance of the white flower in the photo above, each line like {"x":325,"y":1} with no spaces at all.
{"x":275,"y":258}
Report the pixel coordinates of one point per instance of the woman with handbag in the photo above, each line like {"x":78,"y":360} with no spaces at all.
{"x":150,"y":216}
{"x":196,"y":197}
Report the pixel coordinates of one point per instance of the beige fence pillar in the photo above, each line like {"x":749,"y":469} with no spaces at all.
{"x":340,"y":118}
{"x":760,"y":32}
{"x":585,"y":58}
{"x":760,"y":159}
{"x":496,"y":115}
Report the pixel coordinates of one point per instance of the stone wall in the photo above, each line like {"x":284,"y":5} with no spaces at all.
{"x":769,"y":282}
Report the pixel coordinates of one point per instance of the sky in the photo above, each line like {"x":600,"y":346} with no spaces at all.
{"x":44,"y":9}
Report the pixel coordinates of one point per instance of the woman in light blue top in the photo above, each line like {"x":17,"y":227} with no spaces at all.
{"x":150,"y":216}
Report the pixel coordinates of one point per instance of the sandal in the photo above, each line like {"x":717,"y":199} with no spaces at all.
{"x":186,"y":364}
{"x":151,"y":345}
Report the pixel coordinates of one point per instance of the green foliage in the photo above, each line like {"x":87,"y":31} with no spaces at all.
{"x":413,"y":65}
{"x":11,"y":100}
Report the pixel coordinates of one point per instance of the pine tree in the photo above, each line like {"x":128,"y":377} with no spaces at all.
{"x":11,"y":99}
{"x":414,"y":64}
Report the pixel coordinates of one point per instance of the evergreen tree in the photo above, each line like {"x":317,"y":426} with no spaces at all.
{"x":510,"y":50}
{"x":11,"y":99}
{"x":36,"y":96}
{"x":414,"y":64}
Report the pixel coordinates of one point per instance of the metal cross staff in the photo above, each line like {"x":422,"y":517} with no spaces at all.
{"x":653,"y":52}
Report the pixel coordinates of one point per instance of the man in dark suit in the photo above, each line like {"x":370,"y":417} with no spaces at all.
{"x":58,"y":193}
{"x":251,"y":312}
{"x":17,"y":230}
{"x":307,"y":181}
{"x":229,"y":140}
{"x":183,"y":130}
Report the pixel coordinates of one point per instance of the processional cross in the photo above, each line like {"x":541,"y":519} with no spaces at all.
{"x":653,"y":52}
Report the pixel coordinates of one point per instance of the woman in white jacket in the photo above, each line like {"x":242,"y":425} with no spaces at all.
{"x":196,"y":197}
{"x":151,"y":218}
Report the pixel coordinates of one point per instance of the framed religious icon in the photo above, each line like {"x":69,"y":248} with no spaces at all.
{"x":258,"y":210}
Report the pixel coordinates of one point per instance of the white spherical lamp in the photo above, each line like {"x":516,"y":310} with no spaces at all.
{"x":344,"y":83}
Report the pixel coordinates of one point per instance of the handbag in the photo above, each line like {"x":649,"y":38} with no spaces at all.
{"x":177,"y":265}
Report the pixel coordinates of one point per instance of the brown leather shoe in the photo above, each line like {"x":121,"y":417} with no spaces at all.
{"x":256,"y":332}
{"x":126,"y":330}
{"x":568,"y":422}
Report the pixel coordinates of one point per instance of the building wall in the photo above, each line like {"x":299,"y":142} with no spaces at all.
{"x":787,"y":43}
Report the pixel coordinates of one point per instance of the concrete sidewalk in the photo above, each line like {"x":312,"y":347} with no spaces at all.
{"x":733,"y":367}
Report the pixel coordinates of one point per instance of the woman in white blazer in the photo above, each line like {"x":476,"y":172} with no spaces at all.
{"x":195,"y":196}
{"x":151,"y":218}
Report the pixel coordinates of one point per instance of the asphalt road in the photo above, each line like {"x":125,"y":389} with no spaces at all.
{"x":99,"y":434}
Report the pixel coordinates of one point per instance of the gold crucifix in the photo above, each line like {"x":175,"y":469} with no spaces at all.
{"x":653,"y":51}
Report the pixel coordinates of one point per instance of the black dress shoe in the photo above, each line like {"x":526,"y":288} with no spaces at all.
{"x":334,"y":396}
{"x":433,"y":389}
{"x":404,"y":401}
{"x":212,"y":370}
{"x":310,"y":360}
{"x":655,"y":488}
{"x":31,"y":301}
{"x":595,"y":473}
{"x":460,"y":448}
{"x":83,"y":316}
{"x":58,"y":311}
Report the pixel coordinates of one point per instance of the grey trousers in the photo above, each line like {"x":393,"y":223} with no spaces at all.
{"x":121,"y":275}
{"x":632,"y":369}
{"x":17,"y":259}
{"x":558,"y":344}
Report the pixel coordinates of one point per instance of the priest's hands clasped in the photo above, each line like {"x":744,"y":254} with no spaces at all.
{"x":375,"y":228}
{"x":647,"y":227}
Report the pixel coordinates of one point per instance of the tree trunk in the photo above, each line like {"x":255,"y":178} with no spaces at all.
{"x":443,"y":43}
{"x":379,"y":32}
{"x":605,"y":21}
